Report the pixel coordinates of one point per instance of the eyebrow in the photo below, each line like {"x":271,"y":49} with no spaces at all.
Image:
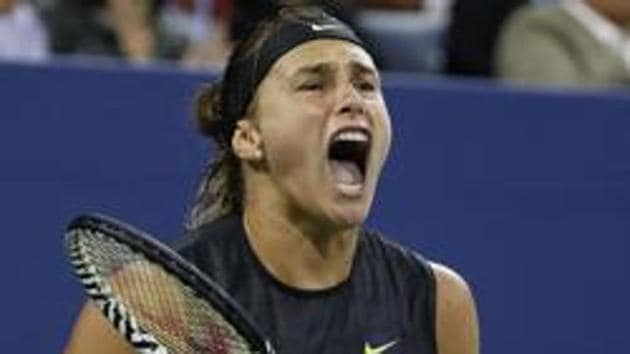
{"x":319,"y":68}
{"x":327,"y":67}
{"x":363,"y":69}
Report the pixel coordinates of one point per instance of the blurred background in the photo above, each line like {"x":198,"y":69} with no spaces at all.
{"x":571,"y":42}
{"x":510,"y":161}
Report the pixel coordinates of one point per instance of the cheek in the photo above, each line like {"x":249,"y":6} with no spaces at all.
{"x":288,"y":145}
{"x":292,"y":128}
{"x":384,"y":129}
{"x":388,"y":131}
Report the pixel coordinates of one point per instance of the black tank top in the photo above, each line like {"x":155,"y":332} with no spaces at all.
{"x":386,"y":306}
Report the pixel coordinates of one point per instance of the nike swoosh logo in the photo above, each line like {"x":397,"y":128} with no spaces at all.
{"x":318,"y":28}
{"x":367,"y":349}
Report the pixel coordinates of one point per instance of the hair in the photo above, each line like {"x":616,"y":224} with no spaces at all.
{"x":221,"y":190}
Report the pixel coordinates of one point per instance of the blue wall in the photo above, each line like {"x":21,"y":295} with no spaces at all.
{"x":527,"y":194}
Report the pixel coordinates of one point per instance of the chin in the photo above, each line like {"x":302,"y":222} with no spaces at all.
{"x":351,"y":212}
{"x":349,"y":216}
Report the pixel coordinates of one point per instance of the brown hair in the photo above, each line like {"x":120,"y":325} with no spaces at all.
{"x":221,"y":191}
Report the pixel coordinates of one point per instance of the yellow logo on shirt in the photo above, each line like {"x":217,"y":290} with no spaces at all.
{"x":367,"y":348}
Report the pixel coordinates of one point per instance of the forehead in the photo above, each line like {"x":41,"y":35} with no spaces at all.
{"x":322,"y":51}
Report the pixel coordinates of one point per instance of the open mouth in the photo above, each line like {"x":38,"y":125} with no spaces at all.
{"x":348,"y":155}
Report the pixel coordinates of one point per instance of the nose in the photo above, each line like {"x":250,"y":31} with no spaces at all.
{"x":352,"y":103}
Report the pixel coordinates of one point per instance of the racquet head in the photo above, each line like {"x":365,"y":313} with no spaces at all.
{"x":157,"y":300}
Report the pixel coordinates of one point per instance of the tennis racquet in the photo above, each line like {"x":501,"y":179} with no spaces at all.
{"x":158,"y":301}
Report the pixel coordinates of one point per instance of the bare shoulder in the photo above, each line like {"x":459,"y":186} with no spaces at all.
{"x":93,"y":334}
{"x":457,"y":327}
{"x":454,"y":286}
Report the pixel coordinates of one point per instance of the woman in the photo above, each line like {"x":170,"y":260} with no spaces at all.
{"x":303,"y":132}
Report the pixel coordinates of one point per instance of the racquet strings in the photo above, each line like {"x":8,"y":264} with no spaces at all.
{"x":161,"y":303}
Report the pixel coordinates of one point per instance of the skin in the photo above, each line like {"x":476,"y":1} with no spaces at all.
{"x":617,"y":11}
{"x":292,"y":200}
{"x":131,"y":21}
{"x":300,"y":223}
{"x":7,"y":5}
{"x":457,"y":325}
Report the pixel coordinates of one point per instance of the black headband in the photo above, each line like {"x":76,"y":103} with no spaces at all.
{"x":243,"y":75}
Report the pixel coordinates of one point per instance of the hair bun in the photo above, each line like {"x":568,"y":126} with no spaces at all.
{"x":208,"y":110}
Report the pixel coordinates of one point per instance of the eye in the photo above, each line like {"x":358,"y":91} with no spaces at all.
{"x":366,"y":85}
{"x":311,"y":86}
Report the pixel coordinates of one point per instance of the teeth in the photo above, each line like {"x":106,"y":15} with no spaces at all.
{"x":352,"y":136}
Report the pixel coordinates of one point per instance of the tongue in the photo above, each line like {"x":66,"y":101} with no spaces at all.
{"x":346,"y":172}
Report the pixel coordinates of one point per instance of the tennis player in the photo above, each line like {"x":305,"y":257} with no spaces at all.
{"x":302,"y":133}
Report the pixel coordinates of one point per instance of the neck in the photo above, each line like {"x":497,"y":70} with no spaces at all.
{"x":296,"y":251}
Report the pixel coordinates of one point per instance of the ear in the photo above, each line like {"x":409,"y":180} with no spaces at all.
{"x":247,"y":141}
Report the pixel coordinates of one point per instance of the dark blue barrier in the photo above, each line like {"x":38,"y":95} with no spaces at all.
{"x":527,"y":194}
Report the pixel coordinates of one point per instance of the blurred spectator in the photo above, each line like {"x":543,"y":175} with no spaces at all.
{"x":191,"y":19}
{"x":233,"y":19}
{"x":409,"y":40}
{"x":108,"y":27}
{"x":472,"y":35}
{"x":393,"y":4}
{"x":22,"y":35}
{"x":577,"y":42}
{"x":203,"y":25}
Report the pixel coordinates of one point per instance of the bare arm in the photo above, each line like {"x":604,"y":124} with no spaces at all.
{"x":93,"y":334}
{"x":457,"y":327}
{"x":132,"y":24}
